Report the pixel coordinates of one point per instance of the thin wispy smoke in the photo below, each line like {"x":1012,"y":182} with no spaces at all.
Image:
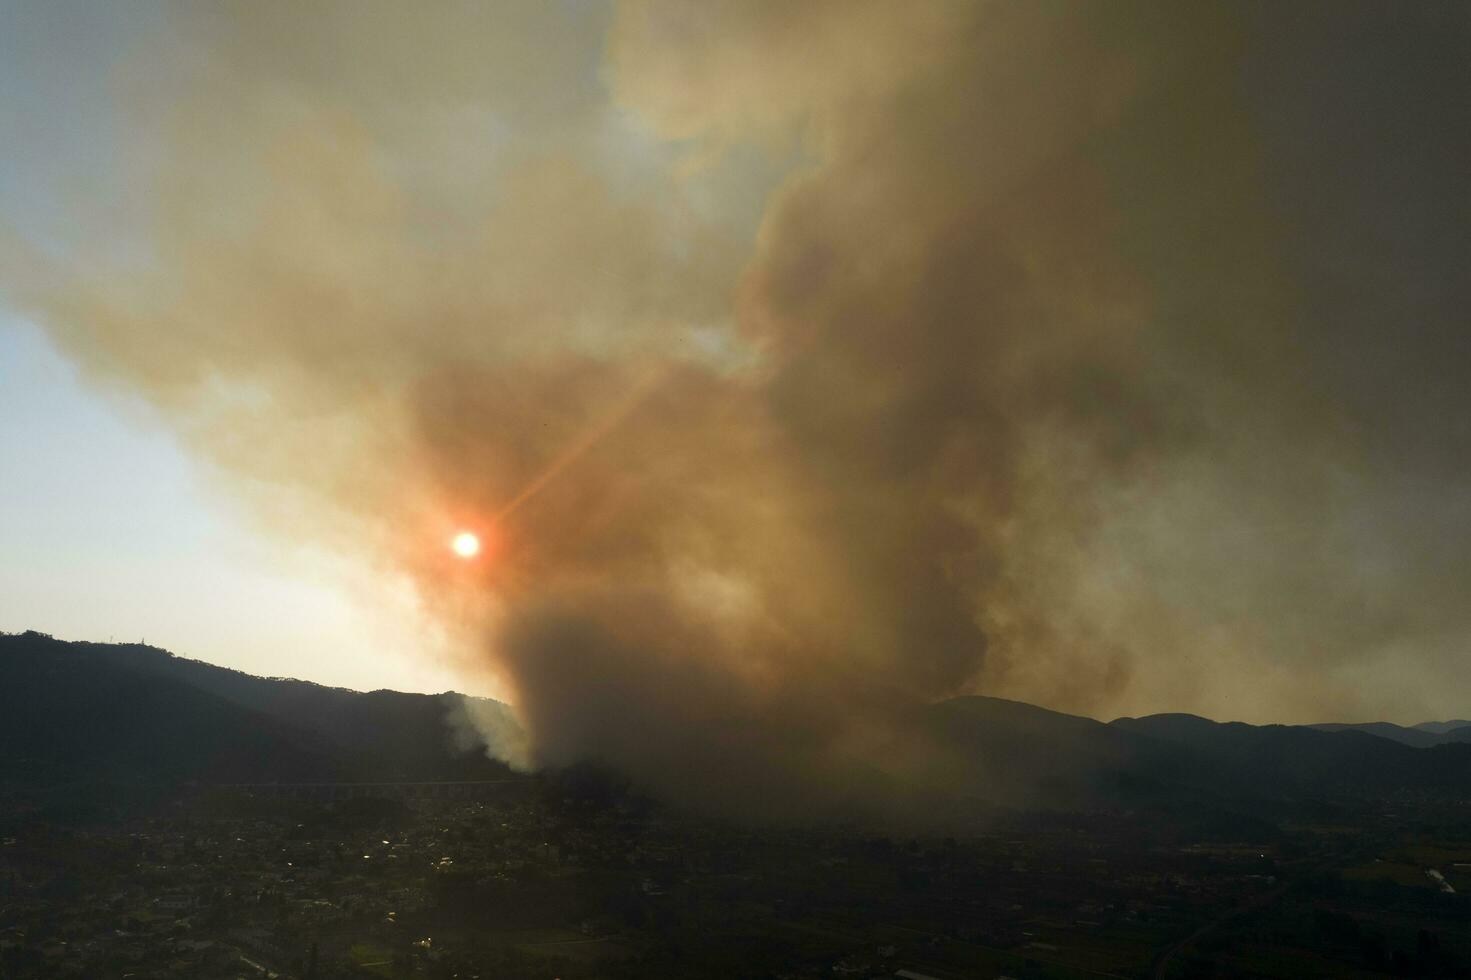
{"x":805,"y":363}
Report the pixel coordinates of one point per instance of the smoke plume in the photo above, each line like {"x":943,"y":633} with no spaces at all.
{"x":801,"y":364}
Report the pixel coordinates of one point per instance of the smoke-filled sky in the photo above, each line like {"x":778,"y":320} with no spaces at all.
{"x":798,"y":363}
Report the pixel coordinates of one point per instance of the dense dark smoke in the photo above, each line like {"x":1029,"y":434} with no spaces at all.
{"x":804,"y":363}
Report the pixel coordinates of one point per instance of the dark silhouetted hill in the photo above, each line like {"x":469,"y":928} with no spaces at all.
{"x":67,"y":714}
{"x":1291,"y":760}
{"x":133,"y":711}
{"x":1020,"y":754}
{"x":71,"y":711}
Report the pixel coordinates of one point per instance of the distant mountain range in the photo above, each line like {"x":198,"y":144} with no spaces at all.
{"x":1421,"y":736}
{"x":86,"y":711}
{"x":1024,"y":755}
{"x":1445,"y":727}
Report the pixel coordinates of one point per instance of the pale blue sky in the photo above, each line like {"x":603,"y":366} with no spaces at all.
{"x":107,"y":530}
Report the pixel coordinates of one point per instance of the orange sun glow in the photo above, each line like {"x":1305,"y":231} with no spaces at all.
{"x":465,"y":544}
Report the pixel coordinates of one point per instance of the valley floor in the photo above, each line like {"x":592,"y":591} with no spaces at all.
{"x":567,"y":881}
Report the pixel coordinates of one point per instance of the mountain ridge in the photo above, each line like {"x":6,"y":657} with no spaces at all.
{"x":350,"y":734}
{"x":86,"y":710}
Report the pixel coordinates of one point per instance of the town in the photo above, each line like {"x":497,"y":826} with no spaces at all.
{"x":575,"y":876}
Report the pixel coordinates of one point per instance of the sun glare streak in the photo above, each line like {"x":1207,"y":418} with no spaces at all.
{"x":589,"y":439}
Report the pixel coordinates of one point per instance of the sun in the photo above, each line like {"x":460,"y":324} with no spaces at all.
{"x":465,"y":544}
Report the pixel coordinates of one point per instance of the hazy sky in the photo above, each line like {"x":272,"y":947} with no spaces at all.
{"x":108,"y":533}
{"x":108,"y":529}
{"x":797,"y":363}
